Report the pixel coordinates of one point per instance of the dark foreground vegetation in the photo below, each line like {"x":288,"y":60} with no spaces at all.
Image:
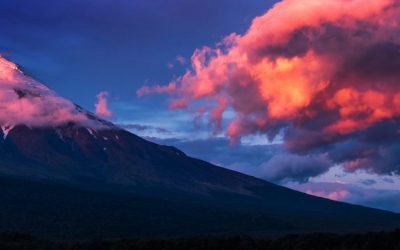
{"x":373,"y":241}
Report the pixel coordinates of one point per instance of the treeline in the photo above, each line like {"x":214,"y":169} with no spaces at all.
{"x":316,"y":241}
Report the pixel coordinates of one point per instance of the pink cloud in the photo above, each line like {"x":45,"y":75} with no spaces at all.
{"x":339,"y":195}
{"x":145,"y":90}
{"x":322,"y":71}
{"x":102,"y":108}
{"x":181,"y":60}
{"x":26,"y":101}
{"x":170,"y":65}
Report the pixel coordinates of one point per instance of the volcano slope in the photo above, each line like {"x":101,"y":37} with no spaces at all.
{"x":66,"y":173}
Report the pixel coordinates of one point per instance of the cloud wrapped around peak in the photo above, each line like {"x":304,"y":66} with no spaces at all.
{"x":26,"y":101}
{"x":326,"y":73}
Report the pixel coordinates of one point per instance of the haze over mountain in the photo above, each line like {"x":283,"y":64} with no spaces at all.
{"x":67,"y":173}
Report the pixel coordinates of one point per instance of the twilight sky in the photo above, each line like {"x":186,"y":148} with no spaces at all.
{"x":301,"y":93}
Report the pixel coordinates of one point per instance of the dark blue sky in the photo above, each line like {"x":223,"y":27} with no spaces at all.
{"x":82,"y":47}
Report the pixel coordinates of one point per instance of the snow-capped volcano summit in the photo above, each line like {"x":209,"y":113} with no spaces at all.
{"x":26,"y":101}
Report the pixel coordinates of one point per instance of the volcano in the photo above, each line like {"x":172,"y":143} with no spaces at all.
{"x":66,"y":173}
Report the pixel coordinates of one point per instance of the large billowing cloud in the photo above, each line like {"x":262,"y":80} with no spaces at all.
{"x":26,"y":101}
{"x":324,"y":73}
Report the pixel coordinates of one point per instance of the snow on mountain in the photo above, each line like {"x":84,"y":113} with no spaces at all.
{"x":24,"y":100}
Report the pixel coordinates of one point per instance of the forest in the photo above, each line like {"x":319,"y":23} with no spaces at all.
{"x":315,"y":241}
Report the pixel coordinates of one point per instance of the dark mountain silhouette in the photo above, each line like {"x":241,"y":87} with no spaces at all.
{"x":90,"y":178}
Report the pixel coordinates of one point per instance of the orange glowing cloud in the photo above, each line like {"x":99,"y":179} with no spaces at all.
{"x":320,"y":71}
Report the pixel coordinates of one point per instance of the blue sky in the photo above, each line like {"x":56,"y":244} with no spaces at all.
{"x":80,"y":48}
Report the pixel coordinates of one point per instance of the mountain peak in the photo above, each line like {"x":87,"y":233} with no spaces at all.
{"x":25,"y":101}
